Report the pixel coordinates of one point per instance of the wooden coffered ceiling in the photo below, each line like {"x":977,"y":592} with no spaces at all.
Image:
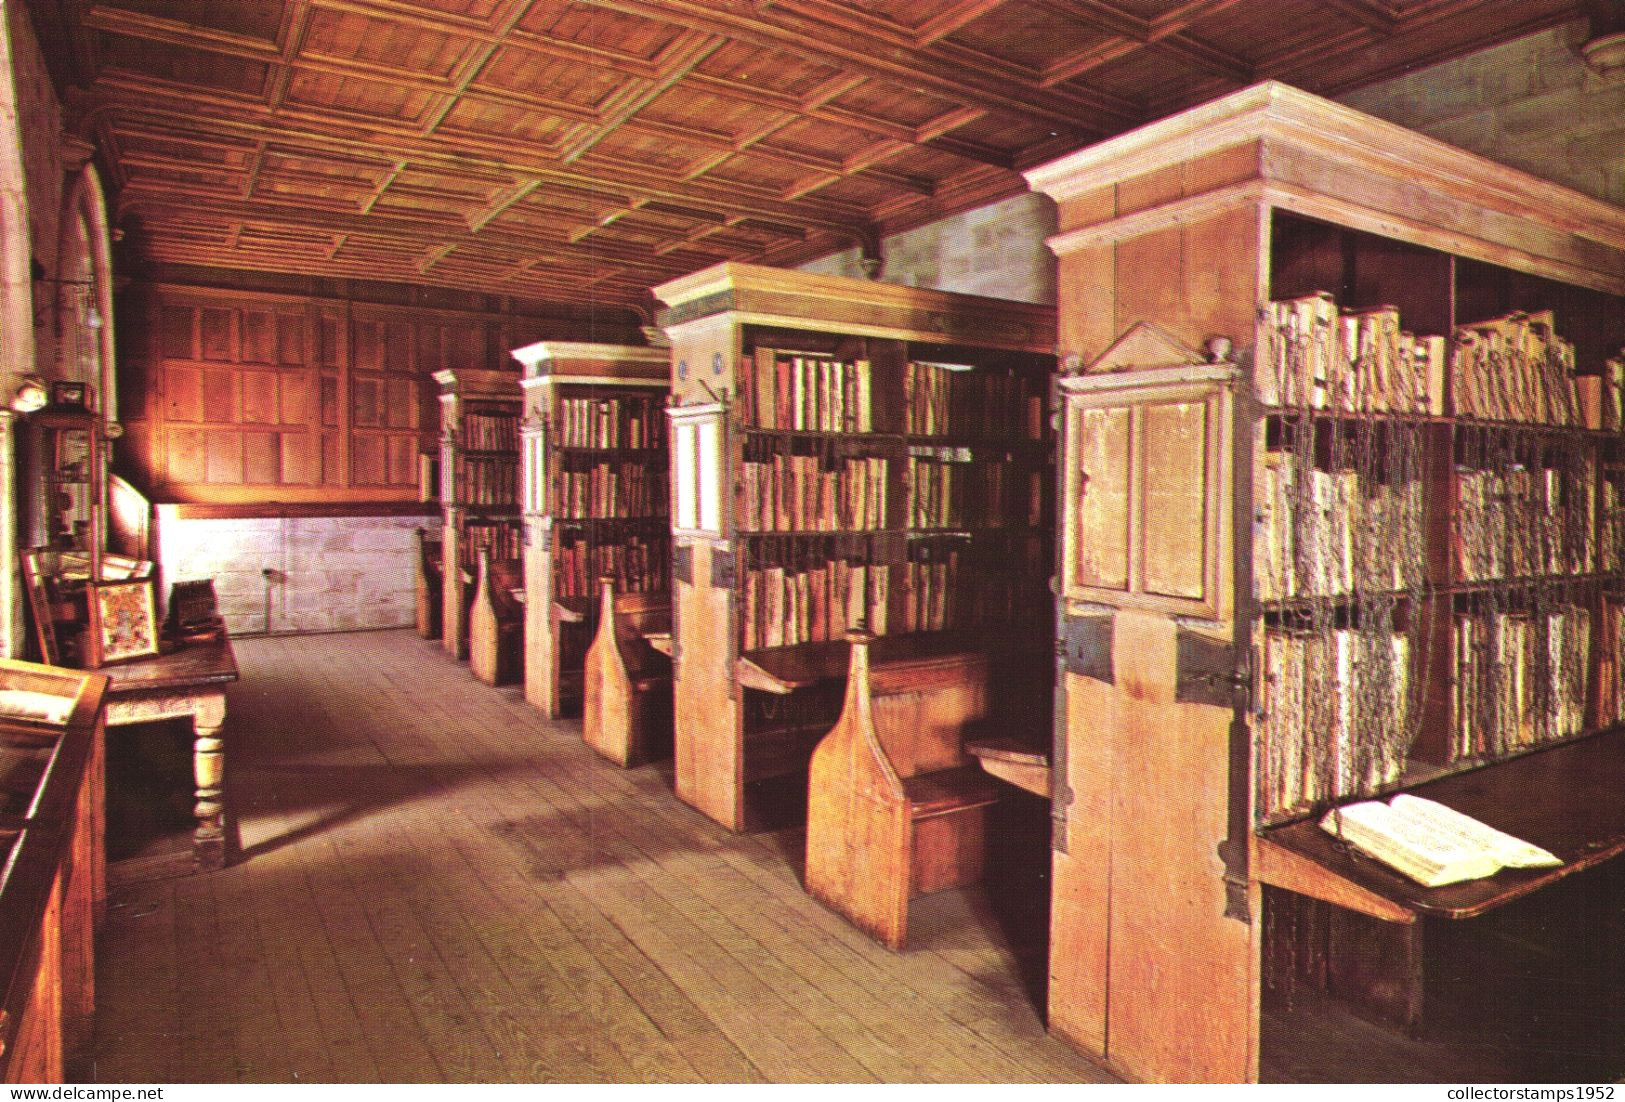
{"x":582,"y":152}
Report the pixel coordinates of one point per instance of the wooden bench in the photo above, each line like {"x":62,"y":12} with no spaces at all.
{"x":426,"y":586}
{"x":626,"y":712}
{"x":895,"y":810}
{"x":496,"y":621}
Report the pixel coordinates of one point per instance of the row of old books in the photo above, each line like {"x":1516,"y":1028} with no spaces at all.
{"x":1611,"y":527}
{"x":1335,"y":716}
{"x":1316,"y":356}
{"x":622,"y":488}
{"x":623,"y":421}
{"x":490,"y":432}
{"x":485,"y":480}
{"x":1520,"y":679}
{"x":499,"y":538}
{"x":1613,"y":399}
{"x":930,"y":594}
{"x":1321,"y":533}
{"x":637,"y":563}
{"x":806,"y":392}
{"x":1612,"y":689}
{"x":946,"y":489}
{"x":1515,"y":368}
{"x":812,"y":603}
{"x":956,"y":400}
{"x":800,"y":493}
{"x":1523,"y":521}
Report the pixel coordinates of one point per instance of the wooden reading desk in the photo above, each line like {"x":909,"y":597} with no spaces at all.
{"x":1563,"y":798}
{"x":188,"y":682}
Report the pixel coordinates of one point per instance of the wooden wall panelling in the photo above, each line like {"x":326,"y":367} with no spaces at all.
{"x":291,"y":397}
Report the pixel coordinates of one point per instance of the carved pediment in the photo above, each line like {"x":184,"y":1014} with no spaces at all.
{"x":1143,"y":346}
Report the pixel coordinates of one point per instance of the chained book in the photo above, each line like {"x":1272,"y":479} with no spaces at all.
{"x":1431,"y":843}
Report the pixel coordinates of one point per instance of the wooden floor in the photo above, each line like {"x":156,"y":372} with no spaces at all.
{"x":440,"y":885}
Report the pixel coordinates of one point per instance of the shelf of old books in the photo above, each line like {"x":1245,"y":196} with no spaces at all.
{"x":1340,"y":474}
{"x":847,"y":455}
{"x":596,"y":498}
{"x":479,"y":486}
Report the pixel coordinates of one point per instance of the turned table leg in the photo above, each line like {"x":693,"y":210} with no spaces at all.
{"x":209,"y":769}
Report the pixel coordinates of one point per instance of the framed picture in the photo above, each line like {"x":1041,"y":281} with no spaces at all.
{"x":123,"y":622}
{"x":66,"y":392}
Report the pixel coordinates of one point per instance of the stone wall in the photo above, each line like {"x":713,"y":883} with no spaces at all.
{"x":997,"y":250}
{"x":1531,"y":103}
{"x":325,"y":573}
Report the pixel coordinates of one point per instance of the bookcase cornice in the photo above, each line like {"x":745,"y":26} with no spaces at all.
{"x":562,"y":359}
{"x":475,"y":382}
{"x":753,"y":294}
{"x":1325,"y":160}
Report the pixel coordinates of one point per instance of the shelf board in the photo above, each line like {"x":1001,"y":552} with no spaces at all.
{"x":896,"y":661}
{"x":1563,"y":797}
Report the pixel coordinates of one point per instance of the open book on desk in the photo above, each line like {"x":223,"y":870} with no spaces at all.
{"x":1431,"y":843}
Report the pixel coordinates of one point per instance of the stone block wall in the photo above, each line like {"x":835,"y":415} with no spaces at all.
{"x":1531,"y":103}
{"x":997,"y":250}
{"x":347,"y":573}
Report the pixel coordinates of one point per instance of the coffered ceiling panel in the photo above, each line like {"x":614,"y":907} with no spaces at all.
{"x":581,"y":151}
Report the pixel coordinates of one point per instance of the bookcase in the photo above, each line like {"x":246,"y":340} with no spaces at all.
{"x":1339,"y":518}
{"x":479,"y":486}
{"x":595,"y":494}
{"x":845,"y":455}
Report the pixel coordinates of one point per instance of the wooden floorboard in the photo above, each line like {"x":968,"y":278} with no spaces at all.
{"x":440,"y":885}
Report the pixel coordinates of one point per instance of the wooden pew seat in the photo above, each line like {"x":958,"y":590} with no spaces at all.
{"x":426,"y":586}
{"x":895,"y":808}
{"x":1014,"y":760}
{"x":496,"y":621}
{"x":626,"y":711}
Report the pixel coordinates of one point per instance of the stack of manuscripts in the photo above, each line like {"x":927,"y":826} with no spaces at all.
{"x":784,"y":606}
{"x":637,"y":563}
{"x":807,"y":392}
{"x":1333,"y":533}
{"x":490,"y":432}
{"x":624,"y":421}
{"x":798,"y":493}
{"x":1520,"y":679}
{"x":486,"y":481}
{"x":1524,"y":520}
{"x":1316,"y":356}
{"x":1336,"y":715}
{"x":947,"y":489}
{"x":1515,"y":368}
{"x":951,"y":399}
{"x":620,"y":488}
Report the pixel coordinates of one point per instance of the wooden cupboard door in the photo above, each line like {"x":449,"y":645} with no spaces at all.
{"x":1146,"y":488}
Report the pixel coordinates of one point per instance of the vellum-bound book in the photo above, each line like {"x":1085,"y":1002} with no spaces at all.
{"x":1431,"y":843}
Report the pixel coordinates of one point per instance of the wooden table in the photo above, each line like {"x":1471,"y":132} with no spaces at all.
{"x":186,"y":683}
